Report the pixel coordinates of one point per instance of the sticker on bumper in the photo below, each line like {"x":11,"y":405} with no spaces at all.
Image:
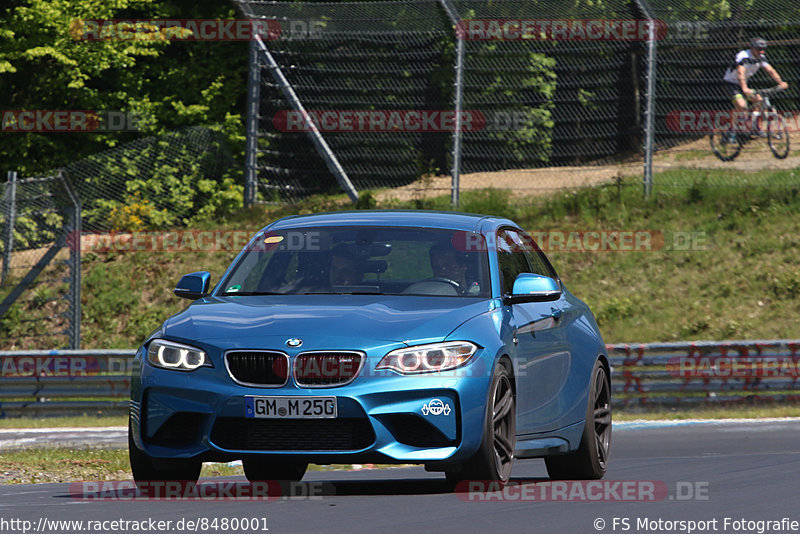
{"x":436,"y":407}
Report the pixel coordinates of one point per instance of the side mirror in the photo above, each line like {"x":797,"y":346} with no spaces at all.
{"x":530,"y":287}
{"x":193,"y":285}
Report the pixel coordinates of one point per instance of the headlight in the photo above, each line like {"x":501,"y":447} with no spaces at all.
{"x":169,"y":355}
{"x":428,"y":358}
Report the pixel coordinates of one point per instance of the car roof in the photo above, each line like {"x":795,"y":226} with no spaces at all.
{"x":409,"y":218}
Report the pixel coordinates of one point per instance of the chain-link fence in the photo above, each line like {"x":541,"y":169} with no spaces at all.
{"x":550,"y":94}
{"x":162,"y":181}
{"x":153,"y":182}
{"x":528,"y":105}
{"x":352,"y":57}
{"x":40,"y":281}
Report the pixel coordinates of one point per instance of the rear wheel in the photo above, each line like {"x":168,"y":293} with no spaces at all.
{"x":726,"y":145}
{"x":495,"y":458}
{"x":260,"y":470}
{"x":590,"y":460}
{"x":146,"y":469}
{"x":777,"y":135}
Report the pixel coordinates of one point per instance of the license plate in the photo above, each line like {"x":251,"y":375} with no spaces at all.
{"x":290,"y":407}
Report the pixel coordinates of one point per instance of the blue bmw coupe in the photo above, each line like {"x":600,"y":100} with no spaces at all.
{"x":434,"y":338}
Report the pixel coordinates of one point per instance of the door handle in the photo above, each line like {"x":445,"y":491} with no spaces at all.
{"x":555,"y":313}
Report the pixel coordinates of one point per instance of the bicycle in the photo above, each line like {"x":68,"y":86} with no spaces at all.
{"x":727,"y":144}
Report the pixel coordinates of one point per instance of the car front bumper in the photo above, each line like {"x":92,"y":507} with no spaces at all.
{"x":382,"y":418}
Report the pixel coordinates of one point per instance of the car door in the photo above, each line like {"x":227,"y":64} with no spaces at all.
{"x":543,"y":358}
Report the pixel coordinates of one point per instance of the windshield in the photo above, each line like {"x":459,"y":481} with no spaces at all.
{"x":362,"y":260}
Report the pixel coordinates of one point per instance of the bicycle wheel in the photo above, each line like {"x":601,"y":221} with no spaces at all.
{"x":725,"y":145}
{"x":777,"y":134}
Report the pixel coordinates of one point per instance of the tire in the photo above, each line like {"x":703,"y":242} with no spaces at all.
{"x":260,"y":470}
{"x":146,"y":469}
{"x":495,"y":458}
{"x":591,"y":459}
{"x":723,"y":149}
{"x":778,"y":135}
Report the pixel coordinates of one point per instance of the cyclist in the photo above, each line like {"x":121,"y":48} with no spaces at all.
{"x":747,"y":63}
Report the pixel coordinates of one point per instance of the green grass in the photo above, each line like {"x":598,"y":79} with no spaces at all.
{"x":61,"y":422}
{"x":687,"y":155}
{"x":743,"y":281}
{"x":40,"y":465}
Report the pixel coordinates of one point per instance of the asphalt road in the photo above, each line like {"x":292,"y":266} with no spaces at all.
{"x":695,"y":472}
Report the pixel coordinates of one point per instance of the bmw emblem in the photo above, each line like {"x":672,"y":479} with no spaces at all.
{"x":294,"y":342}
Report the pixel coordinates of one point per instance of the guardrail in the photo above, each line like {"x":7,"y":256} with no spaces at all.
{"x":64,"y":382}
{"x":61,"y":382}
{"x":705,"y":371}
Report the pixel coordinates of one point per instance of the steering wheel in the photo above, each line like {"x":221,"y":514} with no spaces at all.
{"x":446,"y":280}
{"x":434,"y":286}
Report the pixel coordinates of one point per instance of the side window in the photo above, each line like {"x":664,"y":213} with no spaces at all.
{"x":511,"y":258}
{"x":539,"y":264}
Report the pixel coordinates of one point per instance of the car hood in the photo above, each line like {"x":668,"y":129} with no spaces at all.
{"x":320,"y":320}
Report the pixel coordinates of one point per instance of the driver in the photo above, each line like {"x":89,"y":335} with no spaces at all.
{"x":447,"y":262}
{"x":452,"y":264}
{"x":345,"y":269}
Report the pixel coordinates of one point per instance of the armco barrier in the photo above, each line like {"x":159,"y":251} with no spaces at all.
{"x":64,"y":382}
{"x":705,"y":371}
{"x":40,"y":383}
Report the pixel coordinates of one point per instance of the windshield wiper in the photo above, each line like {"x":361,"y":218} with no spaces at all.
{"x":353,"y":291}
{"x":248,"y":293}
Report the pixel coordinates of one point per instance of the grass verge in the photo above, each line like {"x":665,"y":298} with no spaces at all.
{"x":40,"y":465}
{"x":62,"y":422}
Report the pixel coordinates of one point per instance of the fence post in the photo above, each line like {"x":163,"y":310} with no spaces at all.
{"x":74,"y":311}
{"x":251,"y":149}
{"x":458,"y":97}
{"x":11,"y":213}
{"x":650,"y":96}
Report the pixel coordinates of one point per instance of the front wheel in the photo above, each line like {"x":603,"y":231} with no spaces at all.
{"x":495,"y":457}
{"x":146,"y":470}
{"x":591,"y":458}
{"x":777,"y":135}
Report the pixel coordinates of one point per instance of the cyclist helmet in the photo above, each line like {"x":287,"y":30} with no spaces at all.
{"x":758,"y":43}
